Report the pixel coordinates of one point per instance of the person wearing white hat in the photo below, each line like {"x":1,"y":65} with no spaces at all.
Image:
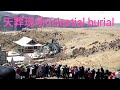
{"x":117,"y":75}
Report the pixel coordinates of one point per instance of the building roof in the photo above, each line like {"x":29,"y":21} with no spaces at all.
{"x":24,"y":42}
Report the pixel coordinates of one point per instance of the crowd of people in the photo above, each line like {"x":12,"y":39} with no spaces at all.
{"x":44,"y":71}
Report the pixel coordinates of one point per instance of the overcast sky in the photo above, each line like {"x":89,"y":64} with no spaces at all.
{"x":94,"y":15}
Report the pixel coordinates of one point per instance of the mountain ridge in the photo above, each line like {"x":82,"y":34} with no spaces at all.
{"x":12,"y":15}
{"x":18,"y":28}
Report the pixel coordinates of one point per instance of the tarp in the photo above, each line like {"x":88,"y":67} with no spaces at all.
{"x":13,"y":53}
{"x":16,"y":58}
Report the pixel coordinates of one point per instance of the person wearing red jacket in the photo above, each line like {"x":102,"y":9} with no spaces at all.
{"x":112,"y":76}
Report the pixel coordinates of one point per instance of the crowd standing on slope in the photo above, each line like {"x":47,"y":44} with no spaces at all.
{"x":63,"y":71}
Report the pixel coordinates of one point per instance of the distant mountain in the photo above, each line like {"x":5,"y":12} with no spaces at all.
{"x":117,"y":24}
{"x":12,"y":15}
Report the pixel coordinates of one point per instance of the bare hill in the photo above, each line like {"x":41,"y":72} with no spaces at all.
{"x":73,"y":38}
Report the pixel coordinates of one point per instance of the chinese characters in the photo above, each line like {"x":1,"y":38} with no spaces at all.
{"x":40,"y":22}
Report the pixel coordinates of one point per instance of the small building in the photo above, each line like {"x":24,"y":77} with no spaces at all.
{"x":27,"y":45}
{"x":14,"y":57}
{"x":12,"y":53}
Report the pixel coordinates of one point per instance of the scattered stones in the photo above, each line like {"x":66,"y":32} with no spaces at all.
{"x":72,"y":47}
{"x":82,"y":51}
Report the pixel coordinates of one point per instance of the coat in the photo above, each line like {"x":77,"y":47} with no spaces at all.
{"x":39,"y":71}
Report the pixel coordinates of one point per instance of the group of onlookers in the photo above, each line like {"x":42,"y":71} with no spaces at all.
{"x":64,"y":71}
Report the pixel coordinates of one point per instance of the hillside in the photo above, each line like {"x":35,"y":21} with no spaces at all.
{"x":74,"y":37}
{"x":40,"y":35}
{"x":109,"y":59}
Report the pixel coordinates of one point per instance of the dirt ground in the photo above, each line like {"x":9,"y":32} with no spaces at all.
{"x":77,"y":37}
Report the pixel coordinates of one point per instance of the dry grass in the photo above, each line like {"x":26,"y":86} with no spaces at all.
{"x":80,"y":37}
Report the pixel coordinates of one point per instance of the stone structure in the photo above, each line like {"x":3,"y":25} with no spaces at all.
{"x":3,"y":56}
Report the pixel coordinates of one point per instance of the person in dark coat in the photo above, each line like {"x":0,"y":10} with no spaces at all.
{"x":7,"y":73}
{"x":43,"y":71}
{"x":86,"y":74}
{"x":82,"y":72}
{"x":107,"y":74}
{"x":35,"y":69}
{"x":102,"y":73}
{"x":46,"y":70}
{"x":76,"y":76}
{"x":98,"y":74}
{"x":68,"y":73}
{"x":58,"y":71}
{"x":65,"y":71}
{"x":28,"y":71}
{"x":51,"y":71}
{"x":93,"y":74}
{"x":80,"y":75}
